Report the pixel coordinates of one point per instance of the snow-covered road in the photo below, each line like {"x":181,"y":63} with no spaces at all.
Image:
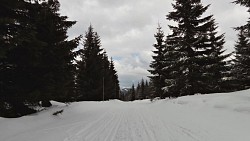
{"x":223,"y":117}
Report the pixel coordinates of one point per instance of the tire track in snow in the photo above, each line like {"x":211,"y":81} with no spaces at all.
{"x":135,"y":124}
{"x":115,"y":125}
{"x":171,"y":128}
{"x":161,"y":131}
{"x":196,"y":135}
{"x":145,"y":123}
{"x":75,"y":131}
{"x":124,"y":131}
{"x":104,"y":129}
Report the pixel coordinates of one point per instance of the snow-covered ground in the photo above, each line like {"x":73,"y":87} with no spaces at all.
{"x":220,"y":117}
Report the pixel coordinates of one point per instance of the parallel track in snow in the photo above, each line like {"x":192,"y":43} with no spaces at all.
{"x":166,"y":120}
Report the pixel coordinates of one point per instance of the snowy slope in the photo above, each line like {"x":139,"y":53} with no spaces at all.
{"x":220,"y":117}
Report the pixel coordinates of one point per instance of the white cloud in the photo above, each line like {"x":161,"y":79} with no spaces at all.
{"x":127,"y":28}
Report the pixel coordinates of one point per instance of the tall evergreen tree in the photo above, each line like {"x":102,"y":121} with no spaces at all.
{"x":19,"y":55}
{"x":36,"y":59}
{"x":138,"y":91}
{"x":96,"y":76}
{"x":107,"y":79}
{"x":90,"y":77}
{"x":172,"y":64}
{"x":157,"y":63}
{"x":201,"y":50}
{"x":111,"y":83}
{"x":133,"y":93}
{"x":56,"y":67}
{"x":142,"y":90}
{"x":115,"y":82}
{"x":241,"y":67}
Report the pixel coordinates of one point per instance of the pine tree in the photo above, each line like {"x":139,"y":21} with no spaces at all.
{"x":19,"y":51}
{"x":115,"y":82}
{"x":56,"y":69}
{"x":133,"y":93}
{"x":142,"y":90}
{"x":147,"y":89}
{"x":157,"y":63}
{"x":200,"y":49}
{"x":172,"y":64}
{"x":36,"y":59}
{"x":241,"y":67}
{"x":106,"y":77}
{"x":216,"y":66}
{"x":90,"y":68}
{"x":109,"y":85}
{"x":138,"y":91}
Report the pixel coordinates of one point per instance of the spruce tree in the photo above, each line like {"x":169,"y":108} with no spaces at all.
{"x":106,"y":77}
{"x":36,"y":59}
{"x":146,"y":89}
{"x":173,"y":81}
{"x":200,"y":49}
{"x":138,"y":91}
{"x":90,"y":69}
{"x":56,"y":69}
{"x":157,"y":63}
{"x":19,"y":55}
{"x":142,"y":90}
{"x":97,"y":78}
{"x":115,"y":82}
{"x":109,"y":90}
{"x":241,"y":67}
{"x":133,"y":93}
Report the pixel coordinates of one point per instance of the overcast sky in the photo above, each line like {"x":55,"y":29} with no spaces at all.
{"x":127,"y":28}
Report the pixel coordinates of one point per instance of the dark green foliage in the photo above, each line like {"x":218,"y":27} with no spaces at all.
{"x":138,"y":89}
{"x":191,"y":60}
{"x":142,"y":91}
{"x":90,"y":68}
{"x":241,"y":67}
{"x":17,"y":40}
{"x":109,"y":92}
{"x":96,"y":76}
{"x":115,"y":82}
{"x":133,"y":93}
{"x":157,"y":65}
{"x":56,"y":69}
{"x":243,"y":2}
{"x":172,"y":64}
{"x":36,"y":59}
{"x":201,"y":60}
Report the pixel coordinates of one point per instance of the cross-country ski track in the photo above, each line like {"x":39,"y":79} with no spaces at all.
{"x":216,"y":117}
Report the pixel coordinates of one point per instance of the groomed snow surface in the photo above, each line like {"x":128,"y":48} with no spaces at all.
{"x":214,"y":117}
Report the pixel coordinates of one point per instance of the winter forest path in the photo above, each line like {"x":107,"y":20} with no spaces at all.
{"x":133,"y":122}
{"x":165,"y":120}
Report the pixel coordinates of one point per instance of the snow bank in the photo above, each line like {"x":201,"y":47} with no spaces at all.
{"x":235,"y":101}
{"x":214,"y":117}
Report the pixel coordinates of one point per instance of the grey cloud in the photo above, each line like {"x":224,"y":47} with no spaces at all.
{"x":127,"y":28}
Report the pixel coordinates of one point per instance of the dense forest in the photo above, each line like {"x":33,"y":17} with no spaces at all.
{"x":38,"y":63}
